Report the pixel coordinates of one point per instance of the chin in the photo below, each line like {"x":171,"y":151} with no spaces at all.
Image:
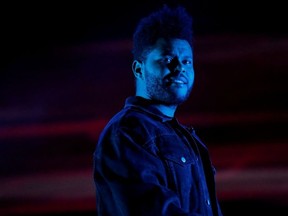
{"x":182,"y":95}
{"x":178,"y":99}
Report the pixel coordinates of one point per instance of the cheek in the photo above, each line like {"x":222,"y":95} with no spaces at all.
{"x":191,"y":76}
{"x":191,"y":80}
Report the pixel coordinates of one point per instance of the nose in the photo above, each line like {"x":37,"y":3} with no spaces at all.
{"x":179,"y":68}
{"x":176,"y":66}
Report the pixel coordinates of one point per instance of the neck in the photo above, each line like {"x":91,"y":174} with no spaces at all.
{"x":166,"y":110}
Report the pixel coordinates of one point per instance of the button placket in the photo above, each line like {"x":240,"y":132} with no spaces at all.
{"x":183,"y":159}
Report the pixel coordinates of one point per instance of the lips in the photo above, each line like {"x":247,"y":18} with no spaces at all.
{"x":178,"y":80}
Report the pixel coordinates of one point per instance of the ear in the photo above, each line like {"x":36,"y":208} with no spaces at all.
{"x":137,"y":68}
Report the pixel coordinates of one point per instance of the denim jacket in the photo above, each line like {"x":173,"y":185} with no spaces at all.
{"x":147,"y":164}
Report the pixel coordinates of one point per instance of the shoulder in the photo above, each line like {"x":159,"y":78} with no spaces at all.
{"x":132,"y":118}
{"x":129,"y":127}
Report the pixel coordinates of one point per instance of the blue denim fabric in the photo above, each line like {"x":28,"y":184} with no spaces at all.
{"x":148,"y":164}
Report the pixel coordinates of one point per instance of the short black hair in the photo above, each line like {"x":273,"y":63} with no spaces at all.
{"x":167,"y":22}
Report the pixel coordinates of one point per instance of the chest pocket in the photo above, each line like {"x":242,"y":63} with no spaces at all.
{"x":174,"y":150}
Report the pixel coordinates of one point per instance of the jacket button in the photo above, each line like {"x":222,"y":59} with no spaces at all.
{"x":208,"y":202}
{"x":183,"y":159}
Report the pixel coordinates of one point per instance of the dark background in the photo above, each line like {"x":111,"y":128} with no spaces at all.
{"x":66,"y":69}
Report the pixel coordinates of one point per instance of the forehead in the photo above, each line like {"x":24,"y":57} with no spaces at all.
{"x":173,"y":46}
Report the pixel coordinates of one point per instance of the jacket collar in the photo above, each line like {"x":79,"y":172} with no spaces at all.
{"x":147,"y":106}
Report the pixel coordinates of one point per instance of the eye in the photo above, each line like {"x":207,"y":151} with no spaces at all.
{"x":167,"y":59}
{"x":187,"y":61}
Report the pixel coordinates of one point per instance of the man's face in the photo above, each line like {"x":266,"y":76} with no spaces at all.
{"x":168,"y":72}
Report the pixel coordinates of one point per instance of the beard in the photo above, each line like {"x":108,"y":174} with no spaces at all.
{"x":165,"y":93}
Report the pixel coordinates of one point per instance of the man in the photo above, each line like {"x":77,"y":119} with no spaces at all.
{"x":146,"y":162}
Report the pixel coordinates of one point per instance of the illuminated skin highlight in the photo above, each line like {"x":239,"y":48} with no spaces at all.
{"x":166,"y":75}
